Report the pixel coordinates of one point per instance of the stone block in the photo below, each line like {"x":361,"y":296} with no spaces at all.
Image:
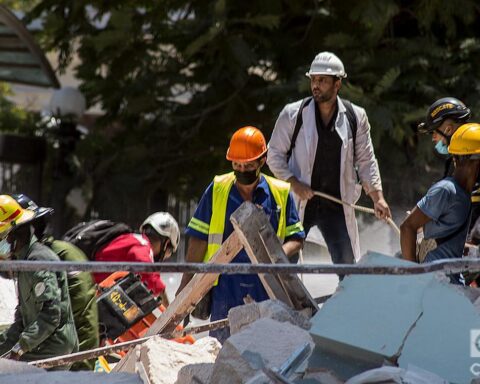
{"x":243,"y":315}
{"x":163,"y":358}
{"x":61,"y":377}
{"x":189,"y":373}
{"x":272,"y":341}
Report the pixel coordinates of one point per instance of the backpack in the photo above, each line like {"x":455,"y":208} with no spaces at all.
{"x":92,"y":235}
{"x":352,"y":121}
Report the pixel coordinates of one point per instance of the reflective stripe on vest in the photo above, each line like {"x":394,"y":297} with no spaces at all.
{"x":221,"y":190}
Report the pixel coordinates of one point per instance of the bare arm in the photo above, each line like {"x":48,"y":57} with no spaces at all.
{"x":408,"y":233}
{"x":291,"y":247}
{"x":195,"y":253}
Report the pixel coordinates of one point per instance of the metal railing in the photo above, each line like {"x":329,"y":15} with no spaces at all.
{"x":444,"y":266}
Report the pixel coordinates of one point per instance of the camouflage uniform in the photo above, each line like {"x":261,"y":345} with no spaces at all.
{"x":44,"y":325}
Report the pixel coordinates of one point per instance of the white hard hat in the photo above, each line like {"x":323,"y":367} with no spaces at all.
{"x":327,"y":63}
{"x":165,"y":225}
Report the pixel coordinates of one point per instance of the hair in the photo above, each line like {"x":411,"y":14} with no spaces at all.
{"x":152,"y":234}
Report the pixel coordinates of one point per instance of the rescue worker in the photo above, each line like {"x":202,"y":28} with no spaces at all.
{"x":443,"y":118}
{"x":210,"y":225}
{"x":81,"y":287}
{"x":44,"y":325}
{"x":323,"y":143}
{"x":159,"y":238}
{"x":444,"y":212}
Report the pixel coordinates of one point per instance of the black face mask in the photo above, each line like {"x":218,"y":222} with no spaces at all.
{"x":247,"y":177}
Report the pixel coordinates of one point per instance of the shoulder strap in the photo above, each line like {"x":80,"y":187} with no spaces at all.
{"x":352,"y":121}
{"x":298,"y":125}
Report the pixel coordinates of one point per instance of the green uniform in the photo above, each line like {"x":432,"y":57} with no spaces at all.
{"x":43,"y":325}
{"x":82,"y":291}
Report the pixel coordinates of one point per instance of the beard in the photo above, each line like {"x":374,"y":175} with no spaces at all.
{"x":322,"y":97}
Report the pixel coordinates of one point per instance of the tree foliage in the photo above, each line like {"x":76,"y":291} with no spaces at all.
{"x":175,"y":79}
{"x":14,"y":119}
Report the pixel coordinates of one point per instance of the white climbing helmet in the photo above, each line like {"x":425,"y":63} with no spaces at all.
{"x":327,"y":63}
{"x":165,"y":225}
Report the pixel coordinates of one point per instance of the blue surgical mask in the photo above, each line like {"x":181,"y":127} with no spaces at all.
{"x":441,"y":147}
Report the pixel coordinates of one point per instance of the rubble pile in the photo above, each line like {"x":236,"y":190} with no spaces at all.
{"x":375,"y":328}
{"x":411,"y":328}
{"x":163,"y":358}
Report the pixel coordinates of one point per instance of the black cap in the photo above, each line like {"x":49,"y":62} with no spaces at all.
{"x":442,"y":109}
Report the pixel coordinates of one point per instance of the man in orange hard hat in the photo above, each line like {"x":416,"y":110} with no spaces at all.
{"x":224,"y":195}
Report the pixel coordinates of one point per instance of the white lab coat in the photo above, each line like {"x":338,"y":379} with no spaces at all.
{"x":303,"y":157}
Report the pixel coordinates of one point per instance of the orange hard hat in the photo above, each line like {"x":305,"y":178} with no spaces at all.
{"x":247,"y":144}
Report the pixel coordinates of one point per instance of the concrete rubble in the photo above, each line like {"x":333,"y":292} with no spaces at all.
{"x":413,"y":329}
{"x":395,"y":375}
{"x":270,"y":340}
{"x":163,"y":358}
{"x":388,"y":320}
{"x":15,"y":372}
{"x":242,"y":316}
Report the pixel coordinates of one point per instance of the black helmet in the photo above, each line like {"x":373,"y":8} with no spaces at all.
{"x":26,"y":203}
{"x":442,"y":109}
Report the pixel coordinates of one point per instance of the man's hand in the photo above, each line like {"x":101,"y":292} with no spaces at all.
{"x":303,"y":191}
{"x":382,"y":210}
{"x":14,"y":356}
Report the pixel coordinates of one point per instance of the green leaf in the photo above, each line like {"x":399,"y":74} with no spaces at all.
{"x":387,"y":80}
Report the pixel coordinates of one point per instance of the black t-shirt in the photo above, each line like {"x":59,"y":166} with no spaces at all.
{"x":326,"y":168}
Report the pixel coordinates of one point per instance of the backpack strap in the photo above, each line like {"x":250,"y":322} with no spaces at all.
{"x":352,"y":121}
{"x":298,"y":125}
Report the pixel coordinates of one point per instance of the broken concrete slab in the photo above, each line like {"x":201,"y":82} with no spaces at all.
{"x":364,"y":311}
{"x":418,"y":319}
{"x":323,"y":376}
{"x":441,"y":339}
{"x":164,"y":358}
{"x":12,"y":366}
{"x":396,"y":375}
{"x":194,"y":373}
{"x":273,"y":341}
{"x":241,"y":316}
{"x":61,"y":377}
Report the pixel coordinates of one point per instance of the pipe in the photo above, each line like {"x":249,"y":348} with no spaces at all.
{"x":357,"y":207}
{"x":446,"y":266}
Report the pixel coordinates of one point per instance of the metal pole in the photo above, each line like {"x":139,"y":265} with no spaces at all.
{"x":445,"y":266}
{"x":90,"y":354}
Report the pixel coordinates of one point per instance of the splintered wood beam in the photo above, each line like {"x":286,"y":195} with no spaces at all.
{"x":298,"y":293}
{"x":263,"y":246}
{"x":248,"y":221}
{"x":185,"y":302}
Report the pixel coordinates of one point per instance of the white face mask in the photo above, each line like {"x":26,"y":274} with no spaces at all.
{"x":5,"y":249}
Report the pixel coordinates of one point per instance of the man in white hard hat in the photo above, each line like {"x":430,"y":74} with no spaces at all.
{"x":322,"y":143}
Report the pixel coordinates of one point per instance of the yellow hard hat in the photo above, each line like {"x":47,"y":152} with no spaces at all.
{"x":465,"y":140}
{"x":12,"y":214}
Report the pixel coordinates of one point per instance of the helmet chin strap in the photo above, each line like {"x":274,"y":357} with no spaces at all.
{"x":163,"y":251}
{"x":446,"y":137}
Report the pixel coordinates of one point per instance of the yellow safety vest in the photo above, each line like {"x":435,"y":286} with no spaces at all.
{"x":221,"y":190}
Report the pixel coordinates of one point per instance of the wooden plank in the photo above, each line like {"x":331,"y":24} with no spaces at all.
{"x":299,"y":295}
{"x":248,"y":221}
{"x":186,"y":300}
{"x":264,"y":246}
